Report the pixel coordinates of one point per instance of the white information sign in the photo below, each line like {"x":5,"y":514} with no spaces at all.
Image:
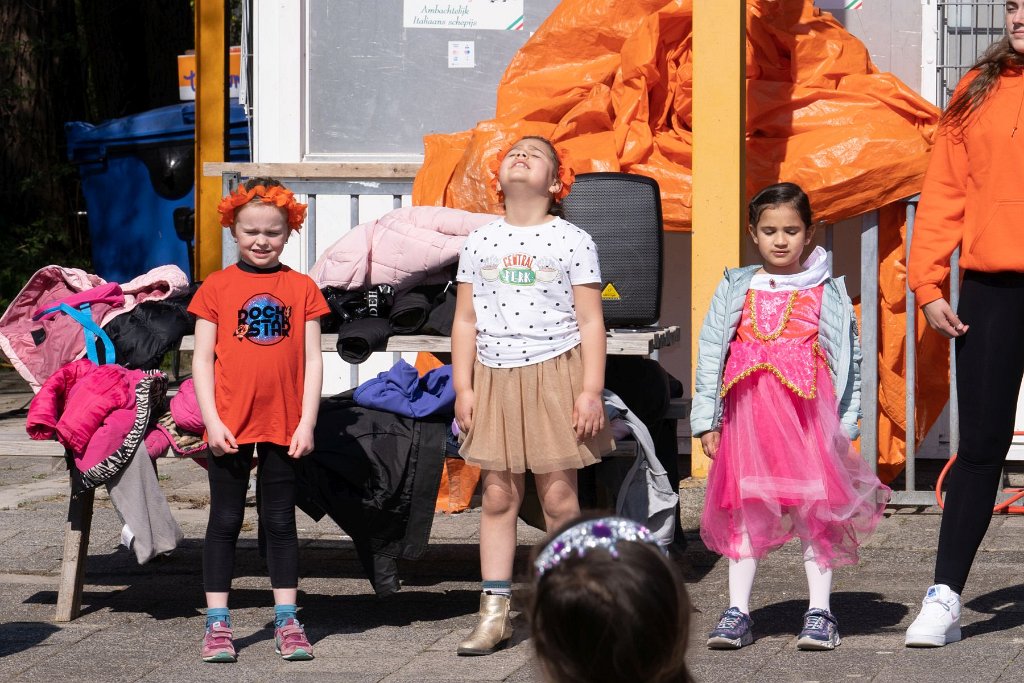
{"x":500,"y":15}
{"x":461,"y":54}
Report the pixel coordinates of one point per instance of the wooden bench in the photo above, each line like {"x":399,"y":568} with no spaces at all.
{"x":80,"y":505}
{"x":642,"y":342}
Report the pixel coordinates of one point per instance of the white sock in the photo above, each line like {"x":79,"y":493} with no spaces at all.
{"x":127,"y":537}
{"x":741,"y":582}
{"x":819,"y":581}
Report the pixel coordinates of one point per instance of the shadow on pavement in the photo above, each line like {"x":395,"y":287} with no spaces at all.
{"x":859,"y":613}
{"x":171,"y":587}
{"x":18,"y":636}
{"x":1006,"y":606}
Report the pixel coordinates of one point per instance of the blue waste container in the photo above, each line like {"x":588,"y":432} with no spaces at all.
{"x":135,"y":172}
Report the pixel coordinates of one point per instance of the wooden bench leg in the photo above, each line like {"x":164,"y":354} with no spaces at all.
{"x":76,"y":549}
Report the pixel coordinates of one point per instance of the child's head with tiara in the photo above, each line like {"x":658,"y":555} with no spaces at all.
{"x":608,"y":606}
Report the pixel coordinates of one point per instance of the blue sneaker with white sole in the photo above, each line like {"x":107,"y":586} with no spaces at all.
{"x":733,"y":631}
{"x":820,"y":632}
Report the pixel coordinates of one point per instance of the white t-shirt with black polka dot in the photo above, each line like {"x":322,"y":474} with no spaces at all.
{"x":522,"y":289}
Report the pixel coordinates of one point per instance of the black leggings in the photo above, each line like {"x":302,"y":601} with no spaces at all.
{"x":990,"y":363}
{"x":275,"y":497}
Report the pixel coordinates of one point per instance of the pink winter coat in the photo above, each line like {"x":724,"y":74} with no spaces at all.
{"x":403,"y":248}
{"x":37,"y":348}
{"x":100,"y":413}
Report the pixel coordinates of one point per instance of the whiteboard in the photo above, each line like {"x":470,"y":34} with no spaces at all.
{"x":373,"y":88}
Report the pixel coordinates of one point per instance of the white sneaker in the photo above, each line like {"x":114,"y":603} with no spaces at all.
{"x":939,"y":620}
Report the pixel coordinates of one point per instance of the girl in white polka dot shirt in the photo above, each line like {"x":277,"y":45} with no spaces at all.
{"x":528,"y":357}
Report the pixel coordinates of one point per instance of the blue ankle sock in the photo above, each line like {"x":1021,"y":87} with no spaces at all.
{"x":220,"y":614}
{"x":498,"y":588}
{"x":283,"y":613}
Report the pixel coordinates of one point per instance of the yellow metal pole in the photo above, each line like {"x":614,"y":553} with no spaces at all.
{"x":211,"y":123}
{"x":719,"y":127}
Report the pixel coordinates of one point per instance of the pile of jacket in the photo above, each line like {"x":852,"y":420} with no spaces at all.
{"x":38,"y":342}
{"x":393,"y":275}
{"x":111,"y":421}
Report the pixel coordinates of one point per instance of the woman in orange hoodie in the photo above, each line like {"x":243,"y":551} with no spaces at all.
{"x":973,"y":198}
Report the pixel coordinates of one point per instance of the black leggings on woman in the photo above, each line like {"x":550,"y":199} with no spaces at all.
{"x":275,"y":496}
{"x":989,"y":366}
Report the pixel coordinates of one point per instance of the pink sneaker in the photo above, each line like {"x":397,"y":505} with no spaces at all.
{"x":292,"y":643}
{"x":217,"y":645}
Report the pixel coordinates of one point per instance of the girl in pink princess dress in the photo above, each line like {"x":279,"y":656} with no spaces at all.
{"x":776,"y":406}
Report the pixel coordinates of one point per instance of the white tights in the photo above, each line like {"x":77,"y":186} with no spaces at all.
{"x":741,"y":581}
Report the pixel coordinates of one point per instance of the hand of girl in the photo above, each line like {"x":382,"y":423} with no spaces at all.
{"x":302,"y":441}
{"x":709,"y":442}
{"x":942,"y":319}
{"x":220,"y":439}
{"x":587,"y":415}
{"x":464,"y":401}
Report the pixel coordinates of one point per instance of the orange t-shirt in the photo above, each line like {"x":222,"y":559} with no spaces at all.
{"x":260,"y":363}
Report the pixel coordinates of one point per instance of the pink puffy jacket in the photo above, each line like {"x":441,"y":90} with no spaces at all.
{"x":37,"y":348}
{"x":402,"y":248}
{"x":100,"y":413}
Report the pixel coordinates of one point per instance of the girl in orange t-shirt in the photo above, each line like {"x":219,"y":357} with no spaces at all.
{"x":258,"y":372}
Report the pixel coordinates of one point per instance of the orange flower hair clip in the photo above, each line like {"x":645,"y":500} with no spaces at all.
{"x":276,"y":195}
{"x":565,"y":172}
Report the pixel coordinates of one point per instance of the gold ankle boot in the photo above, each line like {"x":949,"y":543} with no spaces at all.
{"x":494,"y":629}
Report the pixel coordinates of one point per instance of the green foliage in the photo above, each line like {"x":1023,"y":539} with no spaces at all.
{"x":46,"y":234}
{"x":30,"y":247}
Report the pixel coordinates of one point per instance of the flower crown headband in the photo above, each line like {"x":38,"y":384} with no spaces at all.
{"x":565,"y":172}
{"x":580,"y":538}
{"x":277,"y":195}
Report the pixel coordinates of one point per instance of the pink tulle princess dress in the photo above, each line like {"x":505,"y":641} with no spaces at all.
{"x":785,"y":467}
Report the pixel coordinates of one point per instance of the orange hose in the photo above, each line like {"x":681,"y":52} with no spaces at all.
{"x":1006,"y":507}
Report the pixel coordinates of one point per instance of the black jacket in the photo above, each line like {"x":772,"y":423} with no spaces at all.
{"x":376,"y":474}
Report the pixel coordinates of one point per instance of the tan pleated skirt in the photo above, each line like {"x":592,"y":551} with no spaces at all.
{"x":522,"y":419}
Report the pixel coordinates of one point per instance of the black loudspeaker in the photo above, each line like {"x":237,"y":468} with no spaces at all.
{"x":622,"y":213}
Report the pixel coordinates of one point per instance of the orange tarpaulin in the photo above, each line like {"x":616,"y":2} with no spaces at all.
{"x":612,"y":82}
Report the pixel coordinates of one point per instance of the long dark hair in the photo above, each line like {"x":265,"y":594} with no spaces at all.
{"x":604,"y":619}
{"x":1000,"y":57}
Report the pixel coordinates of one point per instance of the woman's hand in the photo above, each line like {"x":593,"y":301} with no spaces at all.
{"x":942,"y":319}
{"x":220,"y":439}
{"x":464,"y":402}
{"x":710,"y":441}
{"x":588,"y":415}
{"x":302,"y":441}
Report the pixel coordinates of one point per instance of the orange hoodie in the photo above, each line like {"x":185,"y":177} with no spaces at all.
{"x":972,"y":194}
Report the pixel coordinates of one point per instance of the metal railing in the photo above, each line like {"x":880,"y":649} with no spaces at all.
{"x":965,"y":30}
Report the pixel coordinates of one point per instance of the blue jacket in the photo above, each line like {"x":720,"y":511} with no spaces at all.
{"x":837,"y":333}
{"x":401,"y":390}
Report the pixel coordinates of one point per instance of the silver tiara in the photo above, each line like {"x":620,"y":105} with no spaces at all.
{"x":580,"y":538}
